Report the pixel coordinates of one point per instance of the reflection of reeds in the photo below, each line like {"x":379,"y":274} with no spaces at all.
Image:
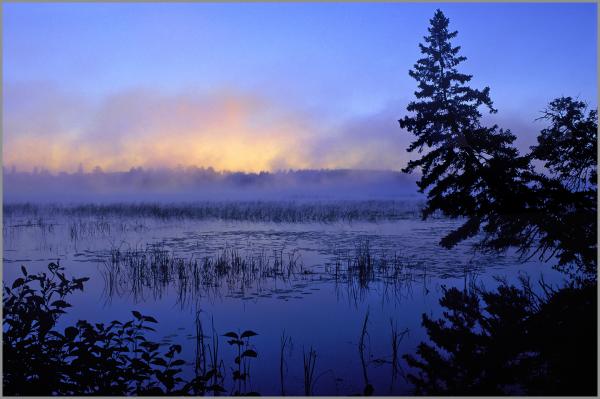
{"x":364,"y":263}
{"x":156,"y":269}
{"x":357,"y":271}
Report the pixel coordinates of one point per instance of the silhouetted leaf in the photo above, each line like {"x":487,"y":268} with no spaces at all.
{"x":159,"y":361}
{"x":150,"y":319}
{"x":231,"y":335}
{"x":136,"y":314}
{"x":248,"y":333}
{"x":18,"y":282}
{"x":249,"y":353}
{"x":60,"y":304}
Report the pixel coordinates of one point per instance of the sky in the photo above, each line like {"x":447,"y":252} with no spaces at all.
{"x":253,"y":87}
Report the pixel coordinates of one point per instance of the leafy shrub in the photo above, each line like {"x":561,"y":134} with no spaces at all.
{"x":85,"y":359}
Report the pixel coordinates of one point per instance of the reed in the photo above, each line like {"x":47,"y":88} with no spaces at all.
{"x":361,"y":348}
{"x":154,"y":268}
{"x":396,"y":338}
{"x":257,"y":211}
{"x":309,"y":362}
{"x":285,"y":341}
{"x":200,"y":355}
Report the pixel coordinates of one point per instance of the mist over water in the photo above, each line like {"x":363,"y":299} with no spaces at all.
{"x":200,"y":184}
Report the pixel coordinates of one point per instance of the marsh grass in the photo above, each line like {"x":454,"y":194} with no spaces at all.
{"x":366,"y":269}
{"x":156,"y":269}
{"x":253,"y":211}
{"x":309,"y":361}
{"x":396,"y":337}
{"x":368,"y":390}
{"x":81,"y":228}
{"x":285,"y":342}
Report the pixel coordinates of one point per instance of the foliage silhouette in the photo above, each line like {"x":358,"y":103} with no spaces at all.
{"x":475,"y":172}
{"x":570,"y":145}
{"x":462,"y":153}
{"x":510,"y":340}
{"x":244,"y":354}
{"x":569,"y":149}
{"x":86,"y":359}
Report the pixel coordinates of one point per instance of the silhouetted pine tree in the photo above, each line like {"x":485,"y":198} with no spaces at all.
{"x":463,"y":157}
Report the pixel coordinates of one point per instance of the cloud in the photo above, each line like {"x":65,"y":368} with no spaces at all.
{"x":367,"y":142}
{"x":50,"y":128}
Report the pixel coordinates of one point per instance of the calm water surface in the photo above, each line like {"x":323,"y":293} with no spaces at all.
{"x":298,"y":283}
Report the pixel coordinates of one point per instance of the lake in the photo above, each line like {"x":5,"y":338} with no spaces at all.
{"x":310,"y":272}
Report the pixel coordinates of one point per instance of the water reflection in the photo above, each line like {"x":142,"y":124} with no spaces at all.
{"x":155,"y":272}
{"x":313,"y":280}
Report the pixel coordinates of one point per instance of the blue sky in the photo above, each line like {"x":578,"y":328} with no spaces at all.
{"x":331,"y":68}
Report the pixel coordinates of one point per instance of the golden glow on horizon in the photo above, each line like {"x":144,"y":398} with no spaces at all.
{"x":222,"y":150}
{"x":225,"y":131}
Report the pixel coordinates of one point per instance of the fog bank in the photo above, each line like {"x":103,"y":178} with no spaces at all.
{"x":199,"y":184}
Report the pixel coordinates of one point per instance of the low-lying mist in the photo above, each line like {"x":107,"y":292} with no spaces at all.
{"x":200,"y":184}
